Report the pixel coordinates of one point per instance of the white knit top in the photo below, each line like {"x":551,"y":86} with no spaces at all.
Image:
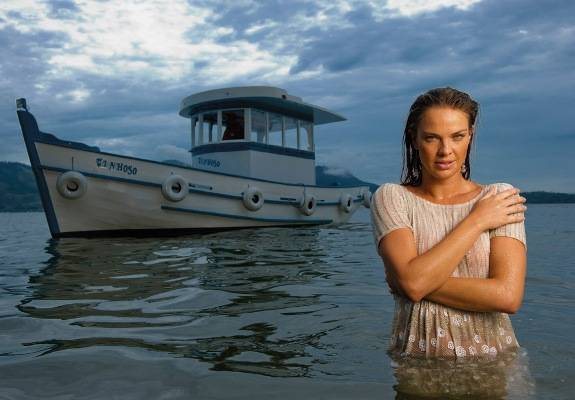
{"x":429,"y":329}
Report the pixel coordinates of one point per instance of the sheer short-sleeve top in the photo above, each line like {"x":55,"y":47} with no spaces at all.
{"x":426,"y":328}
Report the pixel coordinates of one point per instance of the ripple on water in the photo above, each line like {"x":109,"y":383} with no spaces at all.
{"x":306,"y":304}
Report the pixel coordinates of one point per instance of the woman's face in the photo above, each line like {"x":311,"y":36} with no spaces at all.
{"x":442,"y":138}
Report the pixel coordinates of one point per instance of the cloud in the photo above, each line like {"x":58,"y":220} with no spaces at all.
{"x":114,"y":73}
{"x":128,"y":40}
{"x":412,"y":8}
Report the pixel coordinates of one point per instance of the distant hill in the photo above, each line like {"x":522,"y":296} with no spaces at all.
{"x":18,"y":191}
{"x":177,"y":163}
{"x":548,"y":197}
{"x":327,"y":176}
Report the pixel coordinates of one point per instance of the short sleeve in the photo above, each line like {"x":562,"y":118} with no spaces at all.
{"x":388,"y":211}
{"x":516,"y":230}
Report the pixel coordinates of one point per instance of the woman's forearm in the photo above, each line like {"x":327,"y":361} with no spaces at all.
{"x":502,"y":291}
{"x":471,"y":294}
{"x":427,"y":272}
{"x":476,"y":294}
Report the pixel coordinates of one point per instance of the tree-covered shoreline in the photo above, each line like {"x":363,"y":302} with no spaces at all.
{"x":18,"y":191}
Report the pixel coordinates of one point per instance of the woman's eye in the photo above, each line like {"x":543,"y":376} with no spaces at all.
{"x":459,"y":137}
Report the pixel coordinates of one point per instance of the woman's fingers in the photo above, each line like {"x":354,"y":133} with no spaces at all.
{"x":518,"y":208}
{"x":514,"y":201}
{"x":508,"y":193}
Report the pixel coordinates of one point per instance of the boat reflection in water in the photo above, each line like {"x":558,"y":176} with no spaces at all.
{"x":219,"y":298}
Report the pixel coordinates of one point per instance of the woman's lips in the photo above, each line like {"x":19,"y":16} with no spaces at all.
{"x":444,"y":164}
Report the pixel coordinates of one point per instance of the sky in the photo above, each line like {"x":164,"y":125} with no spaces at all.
{"x":112,"y":74}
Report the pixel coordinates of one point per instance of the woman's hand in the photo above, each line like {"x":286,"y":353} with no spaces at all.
{"x":497,"y":209}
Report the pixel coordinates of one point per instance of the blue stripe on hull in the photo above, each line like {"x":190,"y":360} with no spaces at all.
{"x":320,"y":203}
{"x":100,"y":176}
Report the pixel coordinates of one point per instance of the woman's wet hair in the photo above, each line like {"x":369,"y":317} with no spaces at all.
{"x":440,"y":97}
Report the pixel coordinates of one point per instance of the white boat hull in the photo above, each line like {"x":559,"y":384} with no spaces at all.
{"x":123,"y":195}
{"x":123,"y":202}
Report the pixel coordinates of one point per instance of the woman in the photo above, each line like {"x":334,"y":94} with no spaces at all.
{"x":454,"y":250}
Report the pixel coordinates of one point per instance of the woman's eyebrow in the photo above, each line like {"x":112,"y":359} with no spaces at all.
{"x":437,"y":134}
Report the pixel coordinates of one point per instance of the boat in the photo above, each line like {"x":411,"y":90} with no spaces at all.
{"x":252,"y":165}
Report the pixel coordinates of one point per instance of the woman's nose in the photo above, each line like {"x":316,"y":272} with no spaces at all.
{"x":445,"y":147}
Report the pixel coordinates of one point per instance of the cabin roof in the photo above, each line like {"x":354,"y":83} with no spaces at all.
{"x":263,"y":97}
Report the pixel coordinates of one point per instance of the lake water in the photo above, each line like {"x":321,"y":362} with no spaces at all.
{"x":259,"y":314}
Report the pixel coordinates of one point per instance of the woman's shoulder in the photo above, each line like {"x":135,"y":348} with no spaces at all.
{"x":389,"y":190}
{"x":389,"y":210}
{"x":390,"y":194}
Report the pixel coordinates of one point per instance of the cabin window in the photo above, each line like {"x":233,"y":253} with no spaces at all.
{"x":209,"y":128}
{"x":275,"y":129}
{"x":195,"y":130}
{"x":290,"y":133}
{"x":233,"y":125}
{"x":306,"y":135}
{"x":261,"y":126}
{"x":258,"y":128}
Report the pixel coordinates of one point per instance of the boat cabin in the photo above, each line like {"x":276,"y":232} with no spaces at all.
{"x":256,"y":131}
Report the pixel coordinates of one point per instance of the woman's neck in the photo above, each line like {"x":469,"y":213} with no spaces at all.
{"x":447,"y":189}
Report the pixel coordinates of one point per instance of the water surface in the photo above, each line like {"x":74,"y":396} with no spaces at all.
{"x":250,"y":313}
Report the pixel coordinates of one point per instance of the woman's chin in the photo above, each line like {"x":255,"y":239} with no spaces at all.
{"x":442,"y":174}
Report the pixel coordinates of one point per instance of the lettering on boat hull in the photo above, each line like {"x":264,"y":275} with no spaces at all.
{"x":116,"y":166}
